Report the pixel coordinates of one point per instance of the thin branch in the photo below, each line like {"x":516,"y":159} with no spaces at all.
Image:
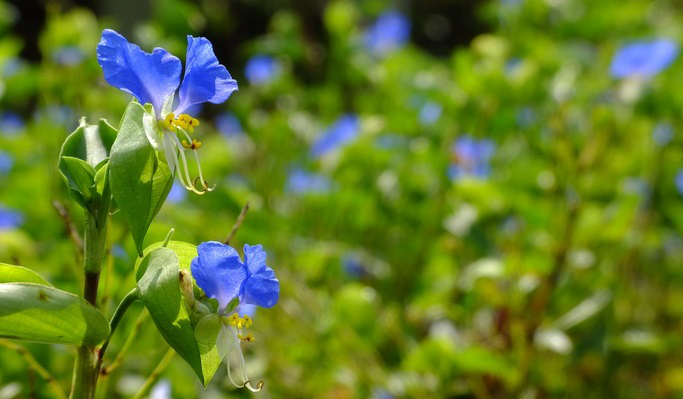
{"x":155,"y":374}
{"x":69,"y":224}
{"x":129,"y":341}
{"x":34,"y":365}
{"x":238,"y":223}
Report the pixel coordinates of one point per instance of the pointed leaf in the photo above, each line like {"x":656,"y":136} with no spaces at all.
{"x":139,"y":181}
{"x":39,"y":313}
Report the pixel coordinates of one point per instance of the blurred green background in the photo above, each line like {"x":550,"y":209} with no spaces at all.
{"x":459,"y":199}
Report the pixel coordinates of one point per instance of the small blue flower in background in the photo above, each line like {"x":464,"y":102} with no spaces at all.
{"x":6,"y":162}
{"x":353,"y":266}
{"x":644,"y":58}
{"x":162,"y":390}
{"x":68,"y":55}
{"x":119,"y":252}
{"x":221,"y":274}
{"x":679,"y":181}
{"x":10,"y":123}
{"x":11,"y":67}
{"x":300,"y":181}
{"x":10,"y":219}
{"x":342,"y":131}
{"x":390,"y":141}
{"x":154,"y":78}
{"x":430,"y":113}
{"x":526,"y":117}
{"x":390,"y":31}
{"x":662,"y":133}
{"x":261,"y":69}
{"x":471,"y":158}
{"x":177,"y":194}
{"x":57,"y":114}
{"x":228,"y":125}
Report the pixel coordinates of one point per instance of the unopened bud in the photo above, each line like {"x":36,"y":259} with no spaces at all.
{"x":186,"y":286}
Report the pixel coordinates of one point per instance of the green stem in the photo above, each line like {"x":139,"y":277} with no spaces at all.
{"x":128,"y":300}
{"x":155,"y":374}
{"x":86,"y":368}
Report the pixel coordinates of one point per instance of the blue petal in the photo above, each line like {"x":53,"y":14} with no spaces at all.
{"x":151,"y":78}
{"x":261,"y":288}
{"x":218,"y":271}
{"x":205,"y":79}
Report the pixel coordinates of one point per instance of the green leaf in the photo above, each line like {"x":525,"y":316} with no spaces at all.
{"x":139,"y":181}
{"x":39,"y":313}
{"x":183,"y":250}
{"x":90,"y":144}
{"x":19,"y":274}
{"x":159,"y":287}
{"x":82,"y":177}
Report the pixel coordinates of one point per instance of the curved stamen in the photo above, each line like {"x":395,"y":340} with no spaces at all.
{"x":185,"y":168}
{"x":204,"y":183}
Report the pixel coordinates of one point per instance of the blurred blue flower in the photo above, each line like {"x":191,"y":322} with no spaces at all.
{"x":390,"y":31}
{"x":644,"y":58}
{"x":526,"y":117}
{"x":353,"y":266}
{"x":430,"y":113}
{"x":154,"y":78}
{"x":341,"y":132}
{"x":471,"y":158}
{"x":228,"y":125}
{"x":68,"y":55}
{"x":119,"y":252}
{"x":679,"y":181}
{"x":220,"y":273}
{"x":162,"y":390}
{"x":11,"y":67}
{"x":662,"y":133}
{"x":10,"y":219}
{"x":301,"y":181}
{"x":10,"y":123}
{"x":6,"y":162}
{"x":57,"y":115}
{"x":177,"y":194}
{"x":261,"y":69}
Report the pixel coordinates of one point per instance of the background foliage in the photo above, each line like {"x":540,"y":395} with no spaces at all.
{"x":547,"y":264}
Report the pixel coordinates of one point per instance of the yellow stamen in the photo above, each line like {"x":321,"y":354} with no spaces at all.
{"x":247,"y":338}
{"x":247,"y":321}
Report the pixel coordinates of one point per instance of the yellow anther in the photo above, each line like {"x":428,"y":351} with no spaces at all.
{"x":232,"y":320}
{"x":247,"y":338}
{"x":167,"y":122}
{"x":247,"y":321}
{"x":195,"y":144}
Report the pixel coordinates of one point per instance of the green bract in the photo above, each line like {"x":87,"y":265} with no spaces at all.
{"x":140,"y":181}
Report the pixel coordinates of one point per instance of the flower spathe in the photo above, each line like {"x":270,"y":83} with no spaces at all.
{"x":221,"y":274}
{"x":153,"y":78}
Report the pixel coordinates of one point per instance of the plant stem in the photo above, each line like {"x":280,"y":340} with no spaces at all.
{"x":34,"y":365}
{"x":155,"y":374}
{"x":86,"y":368}
{"x":128,"y":300}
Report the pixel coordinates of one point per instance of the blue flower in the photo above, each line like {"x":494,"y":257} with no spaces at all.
{"x":228,"y":125}
{"x":391,"y":31}
{"x":662,"y":133}
{"x":10,"y":219}
{"x":220,"y":273}
{"x":154,"y":78}
{"x":471,"y":158}
{"x":261,"y":69}
{"x":301,"y":181}
{"x":341,"y":132}
{"x":177,"y":194}
{"x":10,"y":123}
{"x":644,"y":58}
{"x":430,"y":113}
{"x":679,"y":181}
{"x":6,"y":162}
{"x":353,"y":266}
{"x":68,"y":55}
